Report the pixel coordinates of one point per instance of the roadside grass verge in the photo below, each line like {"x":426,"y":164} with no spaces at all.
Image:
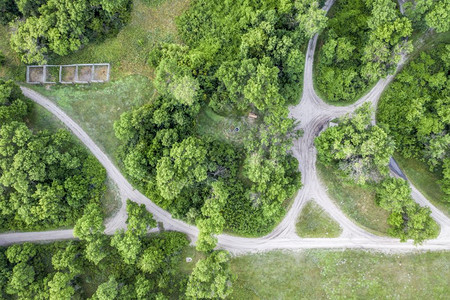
{"x":353,"y":274}
{"x":424,"y":180}
{"x":356,"y":201}
{"x":150,"y":23}
{"x":96,"y":107}
{"x":314,"y":222}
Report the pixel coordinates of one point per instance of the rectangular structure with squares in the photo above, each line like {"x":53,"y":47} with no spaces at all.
{"x":67,"y":74}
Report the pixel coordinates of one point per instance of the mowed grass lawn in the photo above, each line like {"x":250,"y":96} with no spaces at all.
{"x":325,"y":274}
{"x":425,"y":181}
{"x":314,"y":222}
{"x":357,"y":202}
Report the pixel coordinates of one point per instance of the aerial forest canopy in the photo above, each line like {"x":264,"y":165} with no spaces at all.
{"x":362,"y":43}
{"x":128,"y":265}
{"x":47,"y":27}
{"x":46,"y":179}
{"x":426,"y":14}
{"x":416,"y":109}
{"x":361,"y":150}
{"x":238,"y":57}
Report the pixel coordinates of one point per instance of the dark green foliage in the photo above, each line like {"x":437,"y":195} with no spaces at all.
{"x":128,"y":265}
{"x":415,"y":108}
{"x":63,"y":26}
{"x":362,"y":43}
{"x":239,"y":46}
{"x":211,"y":278}
{"x":407,"y":219}
{"x":8,"y":11}
{"x":429,"y":14}
{"x":60,"y":270}
{"x":362,"y":150}
{"x":45,"y":179}
{"x":13,"y":105}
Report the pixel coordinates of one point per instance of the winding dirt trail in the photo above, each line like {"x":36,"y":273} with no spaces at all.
{"x":314,"y":115}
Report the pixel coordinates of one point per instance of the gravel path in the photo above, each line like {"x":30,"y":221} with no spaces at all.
{"x":314,"y":115}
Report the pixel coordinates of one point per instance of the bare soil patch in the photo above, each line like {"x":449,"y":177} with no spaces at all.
{"x":84,"y":73}
{"x":101,"y":73}
{"x":68,"y":74}
{"x":36,"y":74}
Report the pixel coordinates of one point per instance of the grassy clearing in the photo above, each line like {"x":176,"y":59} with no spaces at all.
{"x":324,"y":274}
{"x":12,"y":69}
{"x":357,"y":202}
{"x":151,"y":22}
{"x":95,"y":107}
{"x":314,"y":222}
{"x":224,"y":127}
{"x":424,"y":180}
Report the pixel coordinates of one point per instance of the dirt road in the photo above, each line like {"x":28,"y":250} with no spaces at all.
{"x":314,"y":115}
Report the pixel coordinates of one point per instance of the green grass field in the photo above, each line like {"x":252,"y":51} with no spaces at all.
{"x":357,"y":202}
{"x":224,"y":127}
{"x":425,"y":181}
{"x":350,"y":274}
{"x":314,"y":222}
{"x":12,"y":69}
{"x":95,"y":107}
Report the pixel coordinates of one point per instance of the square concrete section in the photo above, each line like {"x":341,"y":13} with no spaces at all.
{"x":35,"y":74}
{"x":68,"y":74}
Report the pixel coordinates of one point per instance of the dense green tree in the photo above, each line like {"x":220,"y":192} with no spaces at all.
{"x":20,"y":252}
{"x":21,"y":277}
{"x":45,"y":178}
{"x":68,"y":259}
{"x":363,"y":42}
{"x":360,"y":149}
{"x":90,"y":225}
{"x":415,"y":108}
{"x":407,"y":219}
{"x":60,"y":286}
{"x":438,"y":15}
{"x":128,"y":243}
{"x":8,"y":11}
{"x":107,"y":290}
{"x":139,"y":219}
{"x":212,"y":221}
{"x":237,"y":57}
{"x":46,"y":22}
{"x":211,"y":278}
{"x":185,"y":166}
{"x":52,"y":270}
{"x":311,"y":18}
{"x":13,"y":105}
